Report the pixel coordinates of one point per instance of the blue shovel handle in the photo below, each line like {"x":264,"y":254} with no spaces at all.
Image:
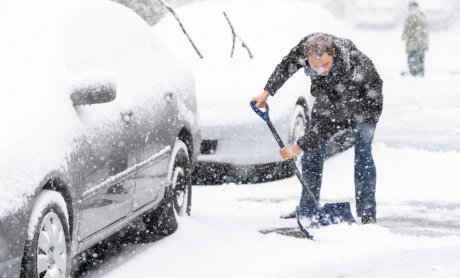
{"x":266,"y":118}
{"x":262,"y":114}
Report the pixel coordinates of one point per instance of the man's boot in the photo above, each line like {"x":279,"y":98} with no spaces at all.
{"x":368,"y":220}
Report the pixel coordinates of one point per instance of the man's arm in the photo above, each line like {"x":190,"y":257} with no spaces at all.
{"x":261,"y":100}
{"x":405,"y":30}
{"x":409,"y":26}
{"x":370,"y":103}
{"x":318,"y":135}
{"x":313,"y":139}
{"x":283,"y":71}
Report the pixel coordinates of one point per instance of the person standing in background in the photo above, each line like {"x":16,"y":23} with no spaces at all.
{"x":415,"y":34}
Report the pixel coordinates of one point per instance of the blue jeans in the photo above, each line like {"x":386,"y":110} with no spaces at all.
{"x":416,"y":62}
{"x":365,"y":173}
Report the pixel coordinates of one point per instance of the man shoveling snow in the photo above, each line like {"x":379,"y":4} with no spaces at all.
{"x":348,"y":92}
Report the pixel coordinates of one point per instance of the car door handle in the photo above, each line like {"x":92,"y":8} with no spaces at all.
{"x":168,"y":97}
{"x":126,"y":116}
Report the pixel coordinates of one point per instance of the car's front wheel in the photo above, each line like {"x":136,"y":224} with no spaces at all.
{"x":299,"y":123}
{"x":177,"y":201}
{"x":46,"y":251}
{"x":181,"y":182}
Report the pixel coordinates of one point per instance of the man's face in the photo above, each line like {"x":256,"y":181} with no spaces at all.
{"x":322,"y":65}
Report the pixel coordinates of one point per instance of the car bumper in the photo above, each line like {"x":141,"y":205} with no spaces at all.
{"x":244,"y":144}
{"x":210,"y":173}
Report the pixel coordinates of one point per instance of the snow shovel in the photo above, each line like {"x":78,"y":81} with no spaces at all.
{"x":311,"y":215}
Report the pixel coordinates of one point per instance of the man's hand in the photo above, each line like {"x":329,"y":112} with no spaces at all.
{"x":261,"y":99}
{"x":290,"y":152}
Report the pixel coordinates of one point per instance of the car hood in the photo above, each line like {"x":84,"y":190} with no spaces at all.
{"x":225,"y":88}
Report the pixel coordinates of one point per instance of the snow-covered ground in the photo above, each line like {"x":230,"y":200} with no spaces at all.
{"x":417,"y":153}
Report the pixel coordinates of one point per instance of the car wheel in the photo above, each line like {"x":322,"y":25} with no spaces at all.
{"x":181,"y":184}
{"x":177,"y":201}
{"x":299,"y":123}
{"x":46,"y":251}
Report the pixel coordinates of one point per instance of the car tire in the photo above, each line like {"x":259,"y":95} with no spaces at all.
{"x":47,"y":248}
{"x":163,"y":220}
{"x":298,"y":125}
{"x":181,"y":181}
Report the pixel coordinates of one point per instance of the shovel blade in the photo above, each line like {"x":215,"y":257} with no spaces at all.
{"x":314,"y":216}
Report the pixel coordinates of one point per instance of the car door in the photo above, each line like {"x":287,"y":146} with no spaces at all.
{"x":155,"y":118}
{"x":103,"y":44}
{"x":169,"y":102}
{"x":153,"y":156}
{"x":161,"y":116}
{"x":107,"y":165}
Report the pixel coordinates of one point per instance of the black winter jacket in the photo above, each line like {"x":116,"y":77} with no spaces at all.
{"x":351,"y":93}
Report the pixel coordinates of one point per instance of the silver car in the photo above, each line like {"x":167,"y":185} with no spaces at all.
{"x":99,"y":130}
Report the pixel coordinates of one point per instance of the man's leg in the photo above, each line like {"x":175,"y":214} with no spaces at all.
{"x":365,"y":172}
{"x":411,"y":62}
{"x":422,"y":63}
{"x":416,"y":63}
{"x":312,"y":172}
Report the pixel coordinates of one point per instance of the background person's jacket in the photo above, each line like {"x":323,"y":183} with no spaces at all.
{"x":351,"y":93}
{"x":415,"y":31}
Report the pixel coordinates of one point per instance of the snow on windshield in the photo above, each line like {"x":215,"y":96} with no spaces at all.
{"x":270,"y":29}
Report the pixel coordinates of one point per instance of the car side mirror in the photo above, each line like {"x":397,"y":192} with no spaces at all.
{"x":94,"y":94}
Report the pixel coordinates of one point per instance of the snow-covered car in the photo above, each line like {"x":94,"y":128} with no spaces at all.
{"x":99,"y":130}
{"x":376,"y":13}
{"x":439,"y":13}
{"x":241,"y":43}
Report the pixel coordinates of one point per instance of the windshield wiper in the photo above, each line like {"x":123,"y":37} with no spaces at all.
{"x":171,"y":10}
{"x":235,"y":36}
